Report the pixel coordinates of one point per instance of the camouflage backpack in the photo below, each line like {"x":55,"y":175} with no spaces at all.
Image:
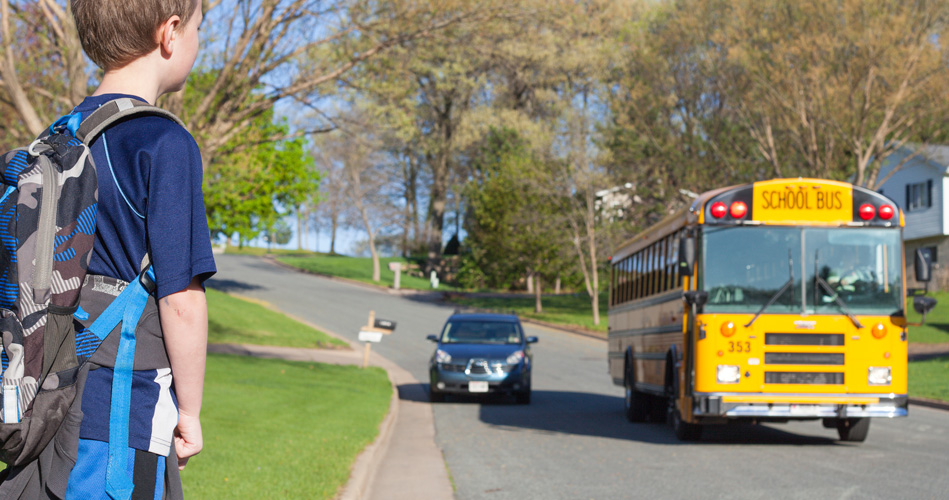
{"x":47,"y":225}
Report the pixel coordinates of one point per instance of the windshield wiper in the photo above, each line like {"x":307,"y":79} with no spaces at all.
{"x":779,"y":293}
{"x":834,"y":295}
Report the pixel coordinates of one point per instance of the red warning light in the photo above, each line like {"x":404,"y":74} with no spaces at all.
{"x":718,"y":210}
{"x":867,"y":211}
{"x":887,"y":212}
{"x":738,"y":209}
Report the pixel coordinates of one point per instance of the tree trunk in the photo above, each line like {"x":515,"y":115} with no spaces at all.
{"x":300,"y":227}
{"x":557,"y":284}
{"x":538,"y":307}
{"x":436,"y":206}
{"x":376,"y":273}
{"x":530,"y":282}
{"x":333,"y":225}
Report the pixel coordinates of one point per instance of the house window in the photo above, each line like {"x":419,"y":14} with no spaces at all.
{"x":919,"y":195}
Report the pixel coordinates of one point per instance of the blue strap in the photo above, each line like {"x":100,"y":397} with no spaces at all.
{"x":127,"y":308}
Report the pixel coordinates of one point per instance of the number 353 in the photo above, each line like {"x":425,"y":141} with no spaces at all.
{"x":739,"y":346}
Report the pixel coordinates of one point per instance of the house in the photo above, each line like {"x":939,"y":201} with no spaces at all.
{"x":921,"y":189}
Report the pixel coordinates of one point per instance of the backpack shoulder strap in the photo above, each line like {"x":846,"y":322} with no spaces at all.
{"x":115,"y":110}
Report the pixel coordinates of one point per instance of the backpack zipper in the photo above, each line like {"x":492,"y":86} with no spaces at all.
{"x":45,"y":232}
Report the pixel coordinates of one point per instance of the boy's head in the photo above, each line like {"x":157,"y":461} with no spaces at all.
{"x":116,"y":32}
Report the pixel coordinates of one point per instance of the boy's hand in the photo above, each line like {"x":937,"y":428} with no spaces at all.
{"x":188,"y":439}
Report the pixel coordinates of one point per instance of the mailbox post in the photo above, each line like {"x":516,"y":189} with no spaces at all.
{"x":372,"y":333}
{"x":396,"y":267}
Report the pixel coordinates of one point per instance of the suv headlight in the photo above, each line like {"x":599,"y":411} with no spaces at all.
{"x":442,"y":356}
{"x":729,"y":374}
{"x":879,"y":375}
{"x":515,"y":357}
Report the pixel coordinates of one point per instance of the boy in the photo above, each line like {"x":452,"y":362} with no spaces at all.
{"x":151,"y":205}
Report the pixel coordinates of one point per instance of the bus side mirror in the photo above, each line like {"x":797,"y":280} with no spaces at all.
{"x":922,"y":305}
{"x":686,"y":256}
{"x":923,"y":266}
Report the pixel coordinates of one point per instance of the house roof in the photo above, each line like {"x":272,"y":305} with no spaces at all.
{"x":937,"y":156}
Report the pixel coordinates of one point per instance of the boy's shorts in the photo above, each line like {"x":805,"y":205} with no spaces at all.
{"x":87,"y":479}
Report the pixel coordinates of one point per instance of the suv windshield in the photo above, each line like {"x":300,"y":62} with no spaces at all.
{"x":843,"y":270}
{"x":481,"y":332}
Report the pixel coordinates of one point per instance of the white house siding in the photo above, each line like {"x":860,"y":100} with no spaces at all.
{"x":927,"y":227}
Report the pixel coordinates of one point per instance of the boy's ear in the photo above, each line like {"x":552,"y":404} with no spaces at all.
{"x":168,"y":33}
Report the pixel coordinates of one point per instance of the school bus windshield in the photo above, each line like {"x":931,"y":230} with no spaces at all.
{"x":843,"y":270}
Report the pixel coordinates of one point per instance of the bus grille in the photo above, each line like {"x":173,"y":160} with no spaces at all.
{"x":810,"y":378}
{"x":803,"y":358}
{"x":833,"y":339}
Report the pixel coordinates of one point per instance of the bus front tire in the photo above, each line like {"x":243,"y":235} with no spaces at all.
{"x":853,"y":429}
{"x":684,"y":431}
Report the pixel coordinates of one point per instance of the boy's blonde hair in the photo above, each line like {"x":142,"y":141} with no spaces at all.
{"x":116,"y":32}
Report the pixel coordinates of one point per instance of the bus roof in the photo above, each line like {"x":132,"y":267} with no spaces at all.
{"x":798,"y":201}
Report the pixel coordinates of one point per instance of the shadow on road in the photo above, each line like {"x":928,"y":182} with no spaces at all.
{"x":559,"y":412}
{"x":230,"y":286}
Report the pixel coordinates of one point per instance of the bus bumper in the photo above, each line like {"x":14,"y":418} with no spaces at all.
{"x":800,"y":406}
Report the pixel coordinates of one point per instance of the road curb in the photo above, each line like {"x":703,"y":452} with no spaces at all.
{"x":930,"y":403}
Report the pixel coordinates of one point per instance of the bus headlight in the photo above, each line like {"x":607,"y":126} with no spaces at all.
{"x":729,"y":374}
{"x":879,"y":375}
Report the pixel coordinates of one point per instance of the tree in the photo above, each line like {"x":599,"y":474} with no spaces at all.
{"x":365,"y":179}
{"x":246,"y":192}
{"x":831,"y":89}
{"x":512,"y":224}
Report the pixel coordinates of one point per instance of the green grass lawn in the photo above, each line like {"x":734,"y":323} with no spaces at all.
{"x":359,"y":269}
{"x":260,"y":252}
{"x":570,"y":310}
{"x":235,"y":321}
{"x":281,"y":429}
{"x":930,"y":379}
{"x":936,"y":329}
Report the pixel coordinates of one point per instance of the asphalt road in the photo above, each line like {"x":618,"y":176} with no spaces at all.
{"x":572,"y":442}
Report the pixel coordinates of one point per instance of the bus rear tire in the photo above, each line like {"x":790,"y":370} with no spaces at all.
{"x":853,"y":429}
{"x":636,"y":404}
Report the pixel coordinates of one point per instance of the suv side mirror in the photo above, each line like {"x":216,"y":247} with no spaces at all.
{"x":923,"y":266}
{"x":531,"y":340}
{"x":433,"y":338}
{"x":686,"y":256}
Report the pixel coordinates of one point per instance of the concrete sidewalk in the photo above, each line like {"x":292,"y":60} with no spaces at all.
{"x":403,"y":463}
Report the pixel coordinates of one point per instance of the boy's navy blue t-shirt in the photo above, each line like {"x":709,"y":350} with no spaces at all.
{"x":155,"y":165}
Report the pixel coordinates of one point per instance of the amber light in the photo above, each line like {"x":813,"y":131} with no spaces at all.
{"x":867,"y":211}
{"x":718,"y":210}
{"x":878,"y":330}
{"x":728,"y":329}
{"x":738,"y":209}
{"x":887,"y":212}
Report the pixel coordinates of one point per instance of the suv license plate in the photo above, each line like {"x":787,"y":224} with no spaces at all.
{"x":478,"y":386}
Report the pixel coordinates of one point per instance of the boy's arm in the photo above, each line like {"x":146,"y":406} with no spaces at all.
{"x":184,"y":324}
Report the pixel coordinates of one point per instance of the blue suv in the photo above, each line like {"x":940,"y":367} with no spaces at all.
{"x":481,"y":354}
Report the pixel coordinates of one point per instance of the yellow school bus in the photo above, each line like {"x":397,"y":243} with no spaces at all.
{"x":770,"y":301}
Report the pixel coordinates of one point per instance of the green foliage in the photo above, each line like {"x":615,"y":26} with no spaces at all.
{"x":936,"y":328}
{"x":360,"y":269}
{"x":927,"y":379}
{"x":235,"y":321}
{"x":572,"y":310}
{"x":281,"y":429}
{"x":511,"y":223}
{"x":253,"y":181}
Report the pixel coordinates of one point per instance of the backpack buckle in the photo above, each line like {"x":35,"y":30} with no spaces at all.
{"x":148,"y":283}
